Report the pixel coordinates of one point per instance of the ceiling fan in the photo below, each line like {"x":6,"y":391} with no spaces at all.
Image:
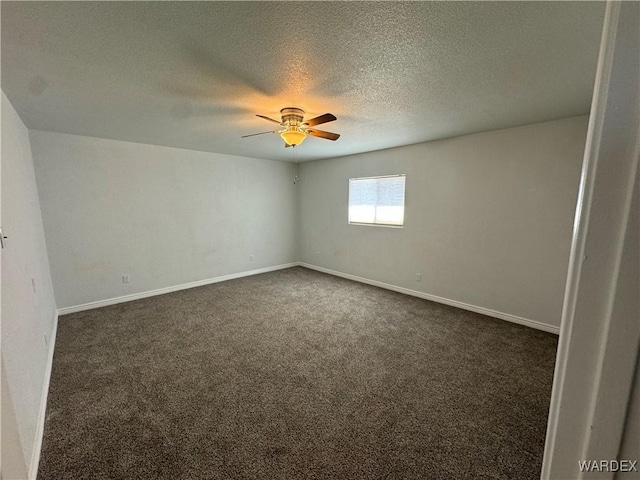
{"x":296,"y":129}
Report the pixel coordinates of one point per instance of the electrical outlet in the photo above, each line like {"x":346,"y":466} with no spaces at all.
{"x":125,"y":278}
{"x":251,"y":258}
{"x":418,"y":277}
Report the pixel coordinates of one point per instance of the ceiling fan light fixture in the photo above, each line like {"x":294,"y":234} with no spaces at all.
{"x":296,"y":129}
{"x":293,"y":136}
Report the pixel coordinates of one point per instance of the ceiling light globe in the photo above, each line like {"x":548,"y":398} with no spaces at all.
{"x":293,"y":136}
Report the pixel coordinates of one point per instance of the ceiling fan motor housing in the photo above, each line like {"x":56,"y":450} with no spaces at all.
{"x":292,"y":116}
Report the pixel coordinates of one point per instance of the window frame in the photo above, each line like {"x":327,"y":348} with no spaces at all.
{"x":376,"y":177}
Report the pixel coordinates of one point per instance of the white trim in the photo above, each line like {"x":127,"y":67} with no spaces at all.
{"x":37,"y":448}
{"x":446,"y":301}
{"x":174,"y":288}
{"x":580,"y":226}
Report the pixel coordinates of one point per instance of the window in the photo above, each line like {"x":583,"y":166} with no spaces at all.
{"x":377,"y":200}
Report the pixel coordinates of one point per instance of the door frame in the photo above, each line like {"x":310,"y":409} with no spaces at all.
{"x":600,"y":331}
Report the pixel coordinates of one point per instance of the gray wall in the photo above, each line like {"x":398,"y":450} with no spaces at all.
{"x":488,"y":217}
{"x":27,"y":316}
{"x":164,"y":216}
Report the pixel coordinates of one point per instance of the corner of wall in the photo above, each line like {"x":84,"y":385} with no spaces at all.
{"x":28,"y":303}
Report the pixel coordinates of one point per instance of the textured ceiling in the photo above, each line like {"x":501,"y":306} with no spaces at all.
{"x":193,"y":74}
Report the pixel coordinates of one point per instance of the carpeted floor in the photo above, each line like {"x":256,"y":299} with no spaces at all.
{"x":295,"y":374}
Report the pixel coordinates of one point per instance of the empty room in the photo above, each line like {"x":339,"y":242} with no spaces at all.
{"x":320,"y":240}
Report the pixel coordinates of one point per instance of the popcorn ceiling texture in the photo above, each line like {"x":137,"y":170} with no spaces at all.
{"x":295,"y":375}
{"x":194,"y":74}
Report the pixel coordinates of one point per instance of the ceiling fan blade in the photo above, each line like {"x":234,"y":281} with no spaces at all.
{"x":327,"y":117}
{"x":261,"y":133}
{"x":269,"y":119}
{"x":323,"y":134}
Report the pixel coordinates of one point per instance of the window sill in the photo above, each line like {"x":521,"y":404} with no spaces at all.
{"x":375,"y":225}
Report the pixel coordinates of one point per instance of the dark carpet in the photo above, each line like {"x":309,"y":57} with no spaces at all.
{"x":295,"y":374}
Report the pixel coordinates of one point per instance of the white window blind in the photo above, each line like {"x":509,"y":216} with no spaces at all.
{"x":377,"y":200}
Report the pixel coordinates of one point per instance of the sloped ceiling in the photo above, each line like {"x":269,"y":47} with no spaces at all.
{"x":194,"y":74}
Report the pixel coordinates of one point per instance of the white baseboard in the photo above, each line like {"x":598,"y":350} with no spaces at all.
{"x":434,"y":298}
{"x":175,"y":288}
{"x":37,"y":448}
